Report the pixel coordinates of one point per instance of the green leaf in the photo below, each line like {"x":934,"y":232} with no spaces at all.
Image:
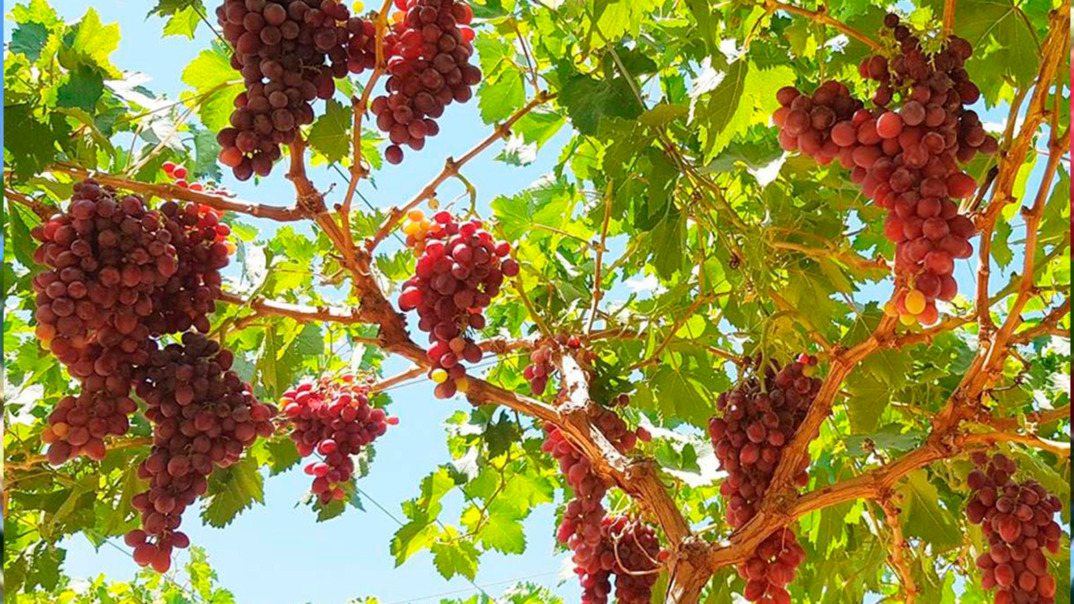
{"x":681,"y":395}
{"x":455,"y":557}
{"x":35,"y":146}
{"x":183,"y":22}
{"x":216,"y":83}
{"x":499,"y":98}
{"x":206,"y":150}
{"x":83,"y":89}
{"x":1002,"y":37}
{"x":588,"y":101}
{"x":670,"y":242}
{"x":923,"y":518}
{"x":867,"y":402}
{"x":503,"y":532}
{"x":93,"y":43}
{"x":331,"y":133}
{"x":232,"y":490}
{"x":29,"y":39}
{"x":727,"y":104}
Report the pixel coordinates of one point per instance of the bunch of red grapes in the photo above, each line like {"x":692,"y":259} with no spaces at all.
{"x":637,"y":554}
{"x":204,"y":416}
{"x":541,"y":367}
{"x":429,"y":68}
{"x":758,"y":421}
{"x":1018,"y":519}
{"x":118,"y":275}
{"x":79,"y":424}
{"x":460,"y":269}
{"x":105,"y":257}
{"x":906,"y":155}
{"x":189,"y":296}
{"x":178,"y":175}
{"x":772,"y":568}
{"x":595,"y":539}
{"x":288,"y":52}
{"x":333,"y":418}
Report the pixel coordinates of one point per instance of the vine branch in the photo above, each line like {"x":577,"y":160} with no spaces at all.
{"x":451,"y":167}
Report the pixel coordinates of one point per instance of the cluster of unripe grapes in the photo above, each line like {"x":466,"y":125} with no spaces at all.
{"x":430,"y":45}
{"x":288,"y":52}
{"x":905,"y":154}
{"x":460,"y":269}
{"x":758,"y":420}
{"x":333,"y":419}
{"x":594,"y":538}
{"x":204,"y":416}
{"x":541,"y":368}
{"x":1018,"y":519}
{"x":772,"y":567}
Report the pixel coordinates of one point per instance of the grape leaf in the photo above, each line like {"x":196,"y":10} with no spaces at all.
{"x":29,"y":39}
{"x":455,"y":557}
{"x":232,"y":490}
{"x":83,"y":89}
{"x":923,"y":518}
{"x":331,"y":133}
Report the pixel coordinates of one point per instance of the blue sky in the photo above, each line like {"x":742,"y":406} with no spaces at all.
{"x":278,"y":553}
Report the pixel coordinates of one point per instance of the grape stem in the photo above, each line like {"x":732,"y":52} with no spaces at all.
{"x":360,"y":107}
{"x":948,"y":21}
{"x":451,"y":167}
{"x":899,"y":546}
{"x":42,"y":209}
{"x":821,"y":16}
{"x":170,"y":191}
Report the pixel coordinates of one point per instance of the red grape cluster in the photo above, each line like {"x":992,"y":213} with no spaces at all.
{"x":541,"y":367}
{"x":637,"y":558}
{"x":79,"y":424}
{"x":430,"y":49}
{"x":333,"y":418}
{"x":602,"y":546}
{"x":772,"y":567}
{"x":1018,"y":520}
{"x":288,"y":52}
{"x":460,"y":270}
{"x":178,"y":175}
{"x":105,"y":256}
{"x":758,"y":421}
{"x":203,"y":416}
{"x":190,"y":294}
{"x":581,"y":528}
{"x":905,"y":154}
